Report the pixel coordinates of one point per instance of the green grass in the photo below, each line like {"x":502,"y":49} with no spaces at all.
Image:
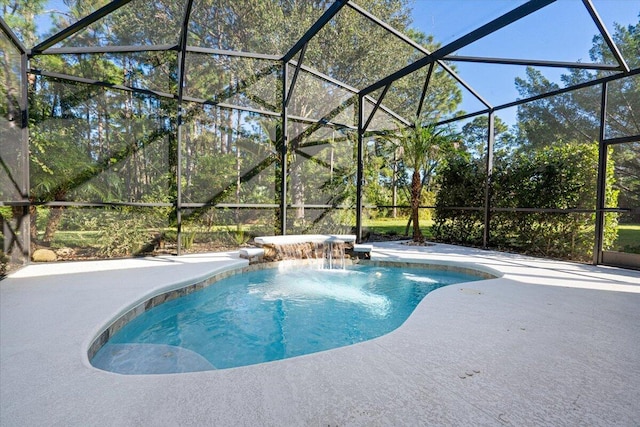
{"x":628,"y":238}
{"x":76,"y":239}
{"x":396,"y":226}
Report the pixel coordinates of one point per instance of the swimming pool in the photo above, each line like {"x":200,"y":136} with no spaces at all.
{"x":270,"y":314}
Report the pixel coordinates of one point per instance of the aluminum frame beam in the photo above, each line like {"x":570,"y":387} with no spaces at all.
{"x":294,"y":79}
{"x":182,"y":54}
{"x":533,"y":63}
{"x":360,"y":169}
{"x":81,"y":50}
{"x":605,"y":34}
{"x":486,"y":233}
{"x":568,"y":89}
{"x":352,"y":90}
{"x":153,"y":48}
{"x":25,"y":220}
{"x":230,"y":106}
{"x":100,"y":83}
{"x":375,"y":108}
{"x":150,"y":92}
{"x":601,"y":180}
{"x":283,"y":150}
{"x":234,"y":53}
{"x":622,"y":139}
{"x":12,"y":36}
{"x":425,"y":87}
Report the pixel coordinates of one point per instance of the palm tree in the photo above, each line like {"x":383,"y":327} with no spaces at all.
{"x":422,"y":147}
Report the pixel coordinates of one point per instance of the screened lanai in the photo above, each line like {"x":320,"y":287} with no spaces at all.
{"x":136,"y":127}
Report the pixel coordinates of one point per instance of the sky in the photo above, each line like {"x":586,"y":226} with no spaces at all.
{"x":562,"y":31}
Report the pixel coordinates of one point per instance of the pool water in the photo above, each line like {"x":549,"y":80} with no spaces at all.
{"x":269,"y":315}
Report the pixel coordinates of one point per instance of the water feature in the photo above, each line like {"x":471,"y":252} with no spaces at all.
{"x":327,"y":251}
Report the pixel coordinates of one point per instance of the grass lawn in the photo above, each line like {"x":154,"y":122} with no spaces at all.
{"x":628,"y":237}
{"x":396,"y":226}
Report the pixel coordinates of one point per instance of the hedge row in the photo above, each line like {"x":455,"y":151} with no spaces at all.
{"x":555,"y":177}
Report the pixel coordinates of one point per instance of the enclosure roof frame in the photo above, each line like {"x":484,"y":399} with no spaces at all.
{"x":442,"y":54}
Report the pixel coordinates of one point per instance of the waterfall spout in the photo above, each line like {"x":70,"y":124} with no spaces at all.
{"x":323,"y":251}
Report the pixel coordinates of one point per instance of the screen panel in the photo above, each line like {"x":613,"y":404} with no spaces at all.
{"x":229,"y":156}
{"x":13,"y":153}
{"x":92,"y":144}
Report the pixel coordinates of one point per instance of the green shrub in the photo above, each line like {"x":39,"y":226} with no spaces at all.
{"x":187,"y":238}
{"x":4,"y":261}
{"x":239,"y":236}
{"x":125,"y":231}
{"x":557,"y":177}
{"x":461,"y":185}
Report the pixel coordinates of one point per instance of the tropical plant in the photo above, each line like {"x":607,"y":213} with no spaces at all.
{"x":4,"y":262}
{"x":422,"y":148}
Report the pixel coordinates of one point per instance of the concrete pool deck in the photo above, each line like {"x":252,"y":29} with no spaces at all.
{"x":548,"y":343}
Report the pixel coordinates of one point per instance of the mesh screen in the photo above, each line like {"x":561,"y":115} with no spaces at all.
{"x":139,"y":22}
{"x":88,"y":233}
{"x":143,"y":70}
{"x":12,"y":154}
{"x":622,"y":105}
{"x":95,"y":144}
{"x":241,"y":25}
{"x":242,"y":82}
{"x":356,"y":51}
{"x":14,"y":224}
{"x":228,"y":156}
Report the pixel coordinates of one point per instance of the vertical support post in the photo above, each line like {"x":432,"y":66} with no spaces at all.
{"x":179,"y":170}
{"x":360,"y":168}
{"x":394,"y":184}
{"x":25,"y":221}
{"x":182,"y":53}
{"x":487,"y":184}
{"x":602,"y":180}
{"x":284,"y":142}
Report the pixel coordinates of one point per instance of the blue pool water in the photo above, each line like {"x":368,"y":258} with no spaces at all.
{"x":269,"y":315}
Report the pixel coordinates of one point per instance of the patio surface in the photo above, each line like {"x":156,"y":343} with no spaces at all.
{"x":548,"y":343}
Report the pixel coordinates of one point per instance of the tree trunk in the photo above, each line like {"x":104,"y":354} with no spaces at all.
{"x":298,"y":187}
{"x":394,"y":187}
{"x":416,"y":189}
{"x":238,"y":171}
{"x":55,"y":216}
{"x":33,"y":213}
